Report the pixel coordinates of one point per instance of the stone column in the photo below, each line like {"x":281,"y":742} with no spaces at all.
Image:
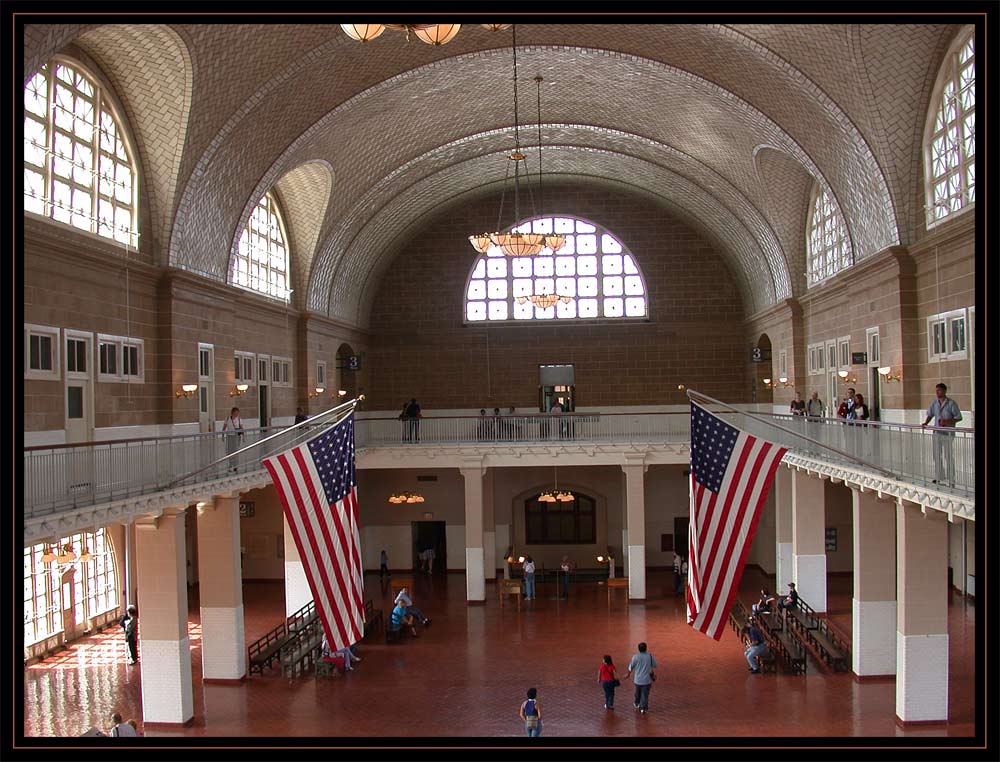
{"x":635,"y":509}
{"x":624,"y":504}
{"x":489,"y":526}
{"x":297,"y":592}
{"x":475,"y":578}
{"x":809,"y":539}
{"x":223,"y":651}
{"x":922,"y":614}
{"x":783,"y":528}
{"x":873,"y":642}
{"x":164,"y":648}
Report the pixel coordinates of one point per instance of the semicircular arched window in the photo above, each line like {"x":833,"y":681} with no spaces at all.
{"x":592,"y":277}
{"x":828,"y":247}
{"x":78,"y":167}
{"x":260,"y":262}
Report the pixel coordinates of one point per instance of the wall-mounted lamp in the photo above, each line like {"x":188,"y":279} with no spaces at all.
{"x":343,"y":393}
{"x":681,"y":387}
{"x":846,"y":377}
{"x":240,"y":390}
{"x":783,"y":380}
{"x":886,"y":373}
{"x":319,"y":391}
{"x":187,"y":390}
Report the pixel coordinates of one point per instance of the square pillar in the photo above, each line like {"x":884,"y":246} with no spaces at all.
{"x":475,"y":576}
{"x":223,"y":652}
{"x":922,"y":614}
{"x":873,"y":623}
{"x":635,"y":510}
{"x":164,"y":648}
{"x":783,"y":528}
{"x":489,"y":526}
{"x":809,"y":539}
{"x":297,"y":592}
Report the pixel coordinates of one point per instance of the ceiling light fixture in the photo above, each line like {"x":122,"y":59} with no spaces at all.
{"x":553,"y":240}
{"x":513,"y":243}
{"x":555,"y":494}
{"x":544,"y":300}
{"x":405,"y":497}
{"x":432,"y":34}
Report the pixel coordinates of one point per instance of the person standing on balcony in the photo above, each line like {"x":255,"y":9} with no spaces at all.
{"x":844,"y":411}
{"x":413,"y":416}
{"x":234,"y":440}
{"x":947,"y":413}
{"x":814,"y":407}
{"x":798,"y":406}
{"x":300,"y":415}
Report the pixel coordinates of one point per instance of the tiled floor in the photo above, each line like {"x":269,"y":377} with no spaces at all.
{"x":467,"y":674}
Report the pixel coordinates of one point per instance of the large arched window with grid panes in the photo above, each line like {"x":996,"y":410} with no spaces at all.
{"x":94,"y":589}
{"x":950,"y":135}
{"x":593,"y":276}
{"x":261,"y":259}
{"x":828,"y":247}
{"x":78,"y":165}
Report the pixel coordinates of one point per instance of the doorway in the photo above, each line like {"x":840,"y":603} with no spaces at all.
{"x":206,"y":387}
{"x":79,"y":392}
{"x":681,"y":524}
{"x":558,"y":394}
{"x":430,"y":535}
{"x":263,"y":399}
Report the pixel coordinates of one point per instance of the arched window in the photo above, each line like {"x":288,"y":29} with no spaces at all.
{"x":950,"y":135}
{"x":560,"y":523}
{"x":78,"y":167}
{"x":594,"y":271}
{"x":828,"y":246}
{"x":94,"y":584}
{"x":261,"y":259}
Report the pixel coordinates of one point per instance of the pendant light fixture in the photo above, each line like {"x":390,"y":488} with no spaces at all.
{"x":555,"y":494}
{"x":553,"y":240}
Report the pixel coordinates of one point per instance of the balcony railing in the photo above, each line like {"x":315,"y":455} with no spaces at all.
{"x":64,"y":476}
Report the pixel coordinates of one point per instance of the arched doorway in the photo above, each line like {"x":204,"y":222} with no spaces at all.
{"x":762,"y":368}
{"x":346,"y":374}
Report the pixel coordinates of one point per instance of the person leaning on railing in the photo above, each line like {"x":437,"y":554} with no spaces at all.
{"x":814,"y":407}
{"x":947,"y":413}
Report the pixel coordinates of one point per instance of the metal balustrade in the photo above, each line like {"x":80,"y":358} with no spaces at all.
{"x":65,"y":476}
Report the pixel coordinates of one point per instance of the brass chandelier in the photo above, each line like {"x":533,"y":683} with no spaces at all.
{"x":555,"y":494}
{"x":405,"y":497}
{"x":544,"y":300}
{"x":516,"y":243}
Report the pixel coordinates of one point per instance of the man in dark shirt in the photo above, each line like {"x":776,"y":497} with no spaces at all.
{"x":756,"y":647}
{"x":791,"y":600}
{"x":412,"y":416}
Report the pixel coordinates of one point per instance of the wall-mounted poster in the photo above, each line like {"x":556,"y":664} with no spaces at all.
{"x":831,"y":538}
{"x":246,"y":510}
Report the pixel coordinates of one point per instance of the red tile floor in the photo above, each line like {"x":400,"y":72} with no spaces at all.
{"x":467,"y":673}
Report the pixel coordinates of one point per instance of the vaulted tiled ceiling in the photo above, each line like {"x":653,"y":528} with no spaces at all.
{"x":728,"y":126}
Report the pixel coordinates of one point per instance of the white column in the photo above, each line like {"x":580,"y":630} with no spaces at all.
{"x":489,"y":527}
{"x":297,"y":592}
{"x":635,"y":508}
{"x":475,"y":577}
{"x":873,"y":624}
{"x":809,"y":539}
{"x":783,"y":528}
{"x":922,"y":634}
{"x":164,"y":648}
{"x":223,"y":642}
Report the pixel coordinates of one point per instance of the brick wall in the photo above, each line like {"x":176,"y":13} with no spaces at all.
{"x":420,"y":346}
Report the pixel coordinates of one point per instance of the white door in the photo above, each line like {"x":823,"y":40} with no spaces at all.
{"x":79,"y":393}
{"x":206,"y":387}
{"x":972,"y":365}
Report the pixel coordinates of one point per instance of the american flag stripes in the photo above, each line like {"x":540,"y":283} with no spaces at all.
{"x":317,"y":486}
{"x":731,"y":473}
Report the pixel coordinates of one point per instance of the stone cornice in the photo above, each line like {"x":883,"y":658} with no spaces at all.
{"x":326,"y":324}
{"x":776,"y":312}
{"x":953,"y":505}
{"x":892,"y":262}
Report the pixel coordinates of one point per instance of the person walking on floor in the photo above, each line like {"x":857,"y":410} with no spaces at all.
{"x":130,"y":623}
{"x":529,"y":579}
{"x":609,"y":681}
{"x":531,"y":714}
{"x":121,"y":729}
{"x":642,"y":664}
{"x":565,"y":570}
{"x":383,"y":565}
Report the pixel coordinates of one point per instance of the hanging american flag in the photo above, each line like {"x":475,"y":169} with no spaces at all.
{"x":317,"y":486}
{"x":731,"y":473}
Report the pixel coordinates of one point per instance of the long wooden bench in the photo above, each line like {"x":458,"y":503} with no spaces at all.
{"x":265,"y":651}
{"x":781,"y":640}
{"x":737,"y":617}
{"x":373,"y":620}
{"x":832,"y":653}
{"x":816,"y":631}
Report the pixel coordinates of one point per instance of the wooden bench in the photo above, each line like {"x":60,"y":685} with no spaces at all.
{"x":327,"y":667}
{"x":507,"y":587}
{"x":618,"y":583}
{"x":829,"y":649}
{"x":737,"y":617}
{"x":373,"y":620}
{"x":798,"y":618}
{"x":783,"y":643}
{"x":398,"y":583}
{"x":265,"y":651}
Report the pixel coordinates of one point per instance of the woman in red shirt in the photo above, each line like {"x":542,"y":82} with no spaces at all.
{"x":609,"y":681}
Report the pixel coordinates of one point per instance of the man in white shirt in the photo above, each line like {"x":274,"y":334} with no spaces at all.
{"x":121,"y":728}
{"x":234,"y":439}
{"x":947,"y":413}
{"x":403,"y":599}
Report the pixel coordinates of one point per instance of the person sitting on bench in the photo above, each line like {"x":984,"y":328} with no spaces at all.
{"x":342,"y":657}
{"x":765,"y":605}
{"x":404,"y":599}
{"x":401,"y":619}
{"x":756,"y":647}
{"x":791,"y":600}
